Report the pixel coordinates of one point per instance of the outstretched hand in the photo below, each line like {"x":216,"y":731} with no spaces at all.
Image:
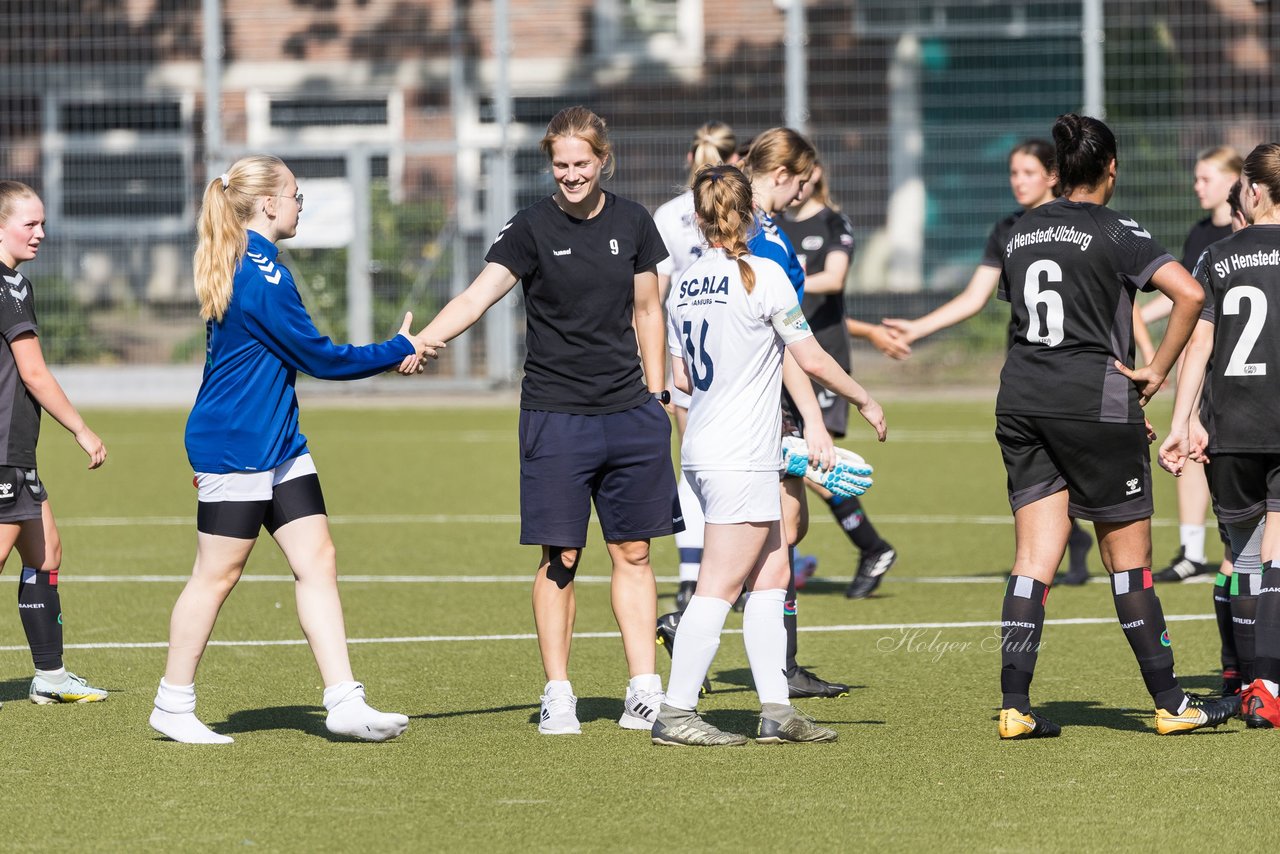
{"x":92,"y":445}
{"x":874,"y":416}
{"x":423,"y":348}
{"x":890,"y":341}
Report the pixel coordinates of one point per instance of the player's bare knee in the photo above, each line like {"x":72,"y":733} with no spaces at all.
{"x":562,"y":565}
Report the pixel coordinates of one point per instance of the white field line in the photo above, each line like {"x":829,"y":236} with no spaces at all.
{"x":526,"y":578}
{"x":419,"y":639}
{"x":511,"y":519}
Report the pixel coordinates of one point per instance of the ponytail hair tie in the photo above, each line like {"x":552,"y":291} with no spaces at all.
{"x":226,"y":180}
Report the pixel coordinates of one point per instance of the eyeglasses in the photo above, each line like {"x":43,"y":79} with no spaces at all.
{"x":297,"y":197}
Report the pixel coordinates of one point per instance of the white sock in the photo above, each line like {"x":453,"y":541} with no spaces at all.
{"x":174,"y":716}
{"x":54,"y":677}
{"x":645,"y":682}
{"x":697,"y":639}
{"x":558,"y":687}
{"x":689,"y":542}
{"x":350,"y":715}
{"x":1272,"y":687}
{"x":765,"y":638}
{"x":1192,"y":539}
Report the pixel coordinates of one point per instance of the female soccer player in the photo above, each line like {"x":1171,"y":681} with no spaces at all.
{"x":1071,"y":268}
{"x":713,"y":143}
{"x":1216,"y":171}
{"x":592,"y":422}
{"x":1033,"y":180}
{"x":823,"y":239}
{"x":778,"y":164}
{"x":26,"y":517}
{"x":1235,"y":433}
{"x":732,"y":316}
{"x":253,"y":468}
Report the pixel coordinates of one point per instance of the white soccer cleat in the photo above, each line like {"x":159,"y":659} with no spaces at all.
{"x":851,"y":474}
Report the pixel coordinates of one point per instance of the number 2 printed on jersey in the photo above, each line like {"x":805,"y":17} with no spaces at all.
{"x":701,"y":370}
{"x":1239,"y":365}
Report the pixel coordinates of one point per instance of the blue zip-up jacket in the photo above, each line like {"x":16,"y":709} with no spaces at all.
{"x":770,"y":242}
{"x":246,"y":413}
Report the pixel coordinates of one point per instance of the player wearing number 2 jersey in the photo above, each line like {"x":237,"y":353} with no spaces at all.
{"x":732,"y":317}
{"x":1069,"y":419}
{"x":1240,"y":412}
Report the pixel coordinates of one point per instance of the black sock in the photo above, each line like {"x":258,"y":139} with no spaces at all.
{"x":1244,"y":614}
{"x":1021,"y":622}
{"x":1142,"y":619}
{"x":41,"y":612}
{"x":857,"y":527}
{"x":1222,"y":610}
{"x":789,"y":612}
{"x":1266,"y":662}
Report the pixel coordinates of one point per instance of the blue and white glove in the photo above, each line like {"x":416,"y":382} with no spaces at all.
{"x":850,"y":476}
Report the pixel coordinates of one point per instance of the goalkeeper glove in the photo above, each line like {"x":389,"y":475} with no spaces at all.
{"x":850,"y":476}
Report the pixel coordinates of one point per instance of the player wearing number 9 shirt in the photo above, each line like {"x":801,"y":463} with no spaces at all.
{"x":1239,"y":413}
{"x":1069,"y":419}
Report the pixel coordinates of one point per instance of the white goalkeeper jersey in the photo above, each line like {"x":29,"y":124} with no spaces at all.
{"x":732,"y":342}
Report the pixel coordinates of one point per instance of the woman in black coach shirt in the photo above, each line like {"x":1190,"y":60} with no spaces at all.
{"x":591,"y":424}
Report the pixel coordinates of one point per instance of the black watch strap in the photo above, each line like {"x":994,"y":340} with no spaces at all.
{"x":664,"y":396}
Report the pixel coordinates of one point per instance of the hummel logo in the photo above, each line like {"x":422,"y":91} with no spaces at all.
{"x":1135,"y":228}
{"x":18,"y":293}
{"x":561,"y":252}
{"x":6,"y":489}
{"x":268,"y":268}
{"x":1132,"y":484}
{"x":503,"y":233}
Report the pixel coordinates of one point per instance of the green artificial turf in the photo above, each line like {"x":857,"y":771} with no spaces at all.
{"x":432,"y":493}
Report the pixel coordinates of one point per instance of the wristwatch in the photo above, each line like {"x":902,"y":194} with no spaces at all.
{"x":664,"y":396}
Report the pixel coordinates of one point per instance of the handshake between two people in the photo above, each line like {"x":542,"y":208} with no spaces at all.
{"x":423,"y":348}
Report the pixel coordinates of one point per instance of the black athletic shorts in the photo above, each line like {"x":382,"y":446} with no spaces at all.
{"x":621,"y":461}
{"x":1105,"y":468}
{"x":1243,"y":486}
{"x":240,"y":504}
{"x":21,"y":495}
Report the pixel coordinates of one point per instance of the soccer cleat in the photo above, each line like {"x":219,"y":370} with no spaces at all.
{"x":72,"y":690}
{"x":1181,"y":568}
{"x":781,"y":724}
{"x":1078,"y":545}
{"x":802,"y":683}
{"x":1200,"y":712}
{"x":806,"y":566}
{"x":679,"y":728}
{"x":640,"y":709}
{"x":1015,"y":724}
{"x":559,"y":715}
{"x":667,"y":625}
{"x":1259,"y":709}
{"x":684,"y":593}
{"x":871,"y":569}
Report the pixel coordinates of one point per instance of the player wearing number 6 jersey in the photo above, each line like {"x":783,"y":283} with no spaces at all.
{"x":1069,"y":418}
{"x":732,"y":315}
{"x":1238,"y":361}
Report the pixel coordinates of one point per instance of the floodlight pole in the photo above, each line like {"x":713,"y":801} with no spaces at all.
{"x":1093,"y":38}
{"x":212,"y":55}
{"x":500,"y":327}
{"x":796,"y":66}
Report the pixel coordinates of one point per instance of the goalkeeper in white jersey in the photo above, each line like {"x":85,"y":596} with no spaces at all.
{"x":732,"y":317}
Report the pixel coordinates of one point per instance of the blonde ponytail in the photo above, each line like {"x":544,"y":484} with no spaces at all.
{"x":227,"y":205}
{"x":722,"y":200}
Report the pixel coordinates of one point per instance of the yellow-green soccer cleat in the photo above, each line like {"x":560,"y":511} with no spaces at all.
{"x":1199,"y":713}
{"x":71,"y":690}
{"x":1015,"y":724}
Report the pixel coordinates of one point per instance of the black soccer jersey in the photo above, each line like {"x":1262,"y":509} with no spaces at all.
{"x":19,"y":412}
{"x":993,"y":252}
{"x":813,"y":238}
{"x":1070,"y":273}
{"x":1241,"y":277}
{"x":1199,"y":238}
{"x":579,"y":287}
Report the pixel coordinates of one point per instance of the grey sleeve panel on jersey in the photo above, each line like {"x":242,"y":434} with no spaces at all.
{"x":1142,"y":280}
{"x":17,"y":329}
{"x":1116,"y":387}
{"x":1203,"y":274}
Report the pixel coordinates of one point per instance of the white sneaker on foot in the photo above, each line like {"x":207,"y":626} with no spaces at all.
{"x":559,"y":715}
{"x":640,"y":708}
